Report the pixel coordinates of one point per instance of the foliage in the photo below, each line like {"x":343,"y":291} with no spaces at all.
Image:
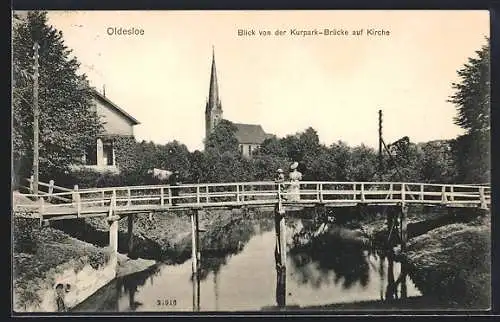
{"x":40,"y":254}
{"x":453,"y":262}
{"x":67,"y":123}
{"x":472,"y":100}
{"x":437,"y":162}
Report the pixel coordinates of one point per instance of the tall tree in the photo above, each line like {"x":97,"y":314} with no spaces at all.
{"x":67,"y":122}
{"x":472,"y":99}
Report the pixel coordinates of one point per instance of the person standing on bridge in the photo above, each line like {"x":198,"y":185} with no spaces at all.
{"x":295,"y":177}
{"x":173,"y":182}
{"x":280,"y":179}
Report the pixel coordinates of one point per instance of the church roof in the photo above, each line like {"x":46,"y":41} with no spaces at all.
{"x":250,"y":133}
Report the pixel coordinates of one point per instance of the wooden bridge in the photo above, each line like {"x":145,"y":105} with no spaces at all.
{"x":114,"y":203}
{"x":63,"y":203}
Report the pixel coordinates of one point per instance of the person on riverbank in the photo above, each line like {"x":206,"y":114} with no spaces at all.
{"x":295,"y":177}
{"x":60,"y":293}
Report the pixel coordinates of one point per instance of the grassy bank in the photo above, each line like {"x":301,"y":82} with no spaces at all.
{"x":44,"y":255}
{"x":453,"y":262}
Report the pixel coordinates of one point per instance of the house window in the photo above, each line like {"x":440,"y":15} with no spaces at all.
{"x":108,"y":153}
{"x":91,"y":155}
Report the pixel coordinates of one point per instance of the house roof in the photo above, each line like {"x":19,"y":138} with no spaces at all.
{"x":115,"y":107}
{"x":250,"y":133}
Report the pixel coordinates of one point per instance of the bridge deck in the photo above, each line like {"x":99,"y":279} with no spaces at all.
{"x":161,"y":198}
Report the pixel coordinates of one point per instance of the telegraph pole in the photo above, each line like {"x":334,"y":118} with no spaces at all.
{"x":380,"y":168}
{"x":36,"y":114}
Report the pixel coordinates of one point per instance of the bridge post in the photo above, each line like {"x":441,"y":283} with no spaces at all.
{"x":194,"y":242}
{"x":280,"y":254}
{"x":113,"y":232}
{"x":389,"y":295}
{"x":404,"y":239}
{"x":482,"y":197}
{"x":130,"y":233}
{"x":444,"y":200}
{"x":51,"y":190}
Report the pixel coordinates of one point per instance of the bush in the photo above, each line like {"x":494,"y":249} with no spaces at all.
{"x":25,"y":235}
{"x":453,"y":262}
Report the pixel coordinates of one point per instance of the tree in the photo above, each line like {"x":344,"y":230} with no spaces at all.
{"x":223,"y":138}
{"x":437,"y":164}
{"x":472,"y":99}
{"x":67,"y":122}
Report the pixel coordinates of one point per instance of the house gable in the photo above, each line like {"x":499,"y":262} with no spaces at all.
{"x":116,"y":121}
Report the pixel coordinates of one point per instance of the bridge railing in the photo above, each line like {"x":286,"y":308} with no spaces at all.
{"x":49,"y":190}
{"x":262,"y":193}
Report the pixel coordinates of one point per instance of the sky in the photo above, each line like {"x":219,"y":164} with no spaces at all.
{"x":287,"y":83}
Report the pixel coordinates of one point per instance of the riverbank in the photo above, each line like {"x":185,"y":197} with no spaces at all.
{"x":448,"y":253}
{"x":167,"y":236}
{"x":45,"y":257}
{"x":454,"y":262}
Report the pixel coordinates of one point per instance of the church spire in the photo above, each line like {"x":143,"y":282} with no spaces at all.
{"x":213,"y":94}
{"x":213,"y":109}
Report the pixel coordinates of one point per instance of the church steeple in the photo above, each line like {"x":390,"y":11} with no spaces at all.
{"x":213,"y":109}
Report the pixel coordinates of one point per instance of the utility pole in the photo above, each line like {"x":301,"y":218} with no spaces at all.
{"x":36,"y":114}
{"x":380,"y":167}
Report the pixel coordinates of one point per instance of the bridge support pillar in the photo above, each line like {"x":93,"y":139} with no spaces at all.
{"x":390,"y":291}
{"x":404,"y":238}
{"x":130,"y":234}
{"x":280,"y":255}
{"x":195,"y":258}
{"x":113,"y":241}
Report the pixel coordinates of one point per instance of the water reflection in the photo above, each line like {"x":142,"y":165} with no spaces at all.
{"x":324,"y":266}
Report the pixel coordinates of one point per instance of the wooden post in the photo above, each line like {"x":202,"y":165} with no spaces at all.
{"x":242,"y":197}
{"x":162,"y":196}
{"x":103,"y":202}
{"x":391,"y":188}
{"x":403,"y":193}
{"x":76,"y":200}
{"x":36,"y":115}
{"x":75,"y":195}
{"x":170,"y":196}
{"x":113,"y":233}
{"x":194,"y":236}
{"x":404,"y":239}
{"x":321,"y":192}
{"x":198,"y":194}
{"x":362,"y":192}
{"x":422,"y":192}
{"x":42,"y":207}
{"x":443,"y":194}
{"x":354,"y":191}
{"x":130,"y":233}
{"x":51,"y":190}
{"x":198,"y":247}
{"x":482,"y":197}
{"x":452,"y":191}
{"x":31,"y":184}
{"x":389,"y":295}
{"x":280,"y":254}
{"x":206,"y":195}
{"x":129,"y":197}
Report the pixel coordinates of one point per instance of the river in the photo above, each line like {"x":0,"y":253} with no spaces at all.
{"x":337,"y":272}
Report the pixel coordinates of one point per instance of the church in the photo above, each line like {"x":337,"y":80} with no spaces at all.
{"x":250,"y":136}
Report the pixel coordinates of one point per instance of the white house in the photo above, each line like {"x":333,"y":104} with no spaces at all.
{"x":116,"y":123}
